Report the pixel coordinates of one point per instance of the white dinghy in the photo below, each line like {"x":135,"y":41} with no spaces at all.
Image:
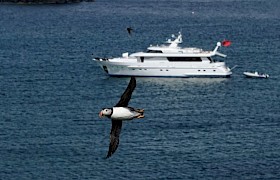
{"x":255,"y":75}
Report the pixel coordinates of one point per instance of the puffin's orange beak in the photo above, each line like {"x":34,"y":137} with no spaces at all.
{"x":100,"y":114}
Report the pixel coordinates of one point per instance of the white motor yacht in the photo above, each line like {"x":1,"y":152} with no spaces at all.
{"x":168,"y":60}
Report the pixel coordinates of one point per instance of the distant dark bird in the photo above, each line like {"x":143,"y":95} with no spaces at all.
{"x":129,"y":30}
{"x":119,"y":113}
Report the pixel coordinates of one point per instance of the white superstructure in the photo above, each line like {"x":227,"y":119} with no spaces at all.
{"x":167,"y":60}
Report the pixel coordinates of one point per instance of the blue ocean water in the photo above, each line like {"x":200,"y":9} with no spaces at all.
{"x":51,"y":92}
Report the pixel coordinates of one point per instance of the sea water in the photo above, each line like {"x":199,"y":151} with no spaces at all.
{"x":210,"y":128}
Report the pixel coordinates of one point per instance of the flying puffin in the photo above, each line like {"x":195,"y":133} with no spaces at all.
{"x":118,"y":114}
{"x":129,"y":30}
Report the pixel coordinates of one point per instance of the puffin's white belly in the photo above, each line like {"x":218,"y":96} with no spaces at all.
{"x":122,"y":113}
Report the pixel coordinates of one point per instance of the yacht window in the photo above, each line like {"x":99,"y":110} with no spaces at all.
{"x":194,"y":59}
{"x":154,"y":51}
{"x":142,"y":59}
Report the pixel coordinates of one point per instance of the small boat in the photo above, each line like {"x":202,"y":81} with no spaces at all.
{"x":255,"y":75}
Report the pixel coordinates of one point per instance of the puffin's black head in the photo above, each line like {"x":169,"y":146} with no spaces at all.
{"x":106,"y":112}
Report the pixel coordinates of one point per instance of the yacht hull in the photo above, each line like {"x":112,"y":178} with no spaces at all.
{"x":165,"y":70}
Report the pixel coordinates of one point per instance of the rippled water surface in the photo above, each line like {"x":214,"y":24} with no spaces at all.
{"x":51,"y":92}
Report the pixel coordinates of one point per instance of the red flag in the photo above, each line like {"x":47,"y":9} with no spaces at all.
{"x":226,"y":43}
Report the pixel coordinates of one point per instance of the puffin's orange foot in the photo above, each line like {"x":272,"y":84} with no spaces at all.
{"x":140,"y":116}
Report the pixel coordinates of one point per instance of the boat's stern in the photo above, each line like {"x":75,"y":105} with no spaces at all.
{"x":223,"y":69}
{"x":228,"y":72}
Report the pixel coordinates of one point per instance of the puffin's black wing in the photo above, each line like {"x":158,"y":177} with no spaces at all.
{"x":114,"y":137}
{"x":117,"y":124}
{"x":127,"y":93}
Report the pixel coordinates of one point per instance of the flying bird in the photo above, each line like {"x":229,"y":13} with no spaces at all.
{"x":129,"y":30}
{"x":119,"y":113}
